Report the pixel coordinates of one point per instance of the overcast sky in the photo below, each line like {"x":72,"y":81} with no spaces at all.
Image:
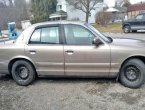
{"x":111,"y":3}
{"x":27,"y":0}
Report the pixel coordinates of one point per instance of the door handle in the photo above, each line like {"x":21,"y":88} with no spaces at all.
{"x":69,"y":52}
{"x":32,"y":52}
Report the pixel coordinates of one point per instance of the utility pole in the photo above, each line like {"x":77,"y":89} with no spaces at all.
{"x":103,"y":5}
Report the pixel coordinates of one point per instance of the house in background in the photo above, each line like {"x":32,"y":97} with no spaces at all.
{"x":66,"y":12}
{"x":121,"y":5}
{"x":122,"y":13}
{"x":58,"y":15}
{"x":118,"y":13}
{"x":61,"y":11}
{"x":134,"y":10}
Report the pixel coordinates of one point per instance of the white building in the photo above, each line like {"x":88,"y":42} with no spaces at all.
{"x":65,"y":11}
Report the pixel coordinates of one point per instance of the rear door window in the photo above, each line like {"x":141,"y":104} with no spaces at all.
{"x":35,"y":38}
{"x":48,"y":35}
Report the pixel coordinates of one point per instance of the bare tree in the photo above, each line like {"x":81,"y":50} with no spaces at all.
{"x":103,"y":17}
{"x":10,"y":3}
{"x":12,"y":11}
{"x":123,"y":3}
{"x":84,"y":5}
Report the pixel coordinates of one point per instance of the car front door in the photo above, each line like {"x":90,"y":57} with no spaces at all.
{"x":45,"y":50}
{"x":138,"y":22}
{"x":82,"y":58}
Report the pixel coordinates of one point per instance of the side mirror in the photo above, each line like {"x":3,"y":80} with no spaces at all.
{"x":97,"y":41}
{"x":110,"y":39}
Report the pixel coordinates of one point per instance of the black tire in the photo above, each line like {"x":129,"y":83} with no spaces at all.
{"x":132,"y":74}
{"x":126,"y":29}
{"x":23,"y":73}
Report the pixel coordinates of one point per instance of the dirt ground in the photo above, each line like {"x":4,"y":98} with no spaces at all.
{"x":71,"y":94}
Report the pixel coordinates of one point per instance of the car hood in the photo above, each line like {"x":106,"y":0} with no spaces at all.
{"x":128,"y":42}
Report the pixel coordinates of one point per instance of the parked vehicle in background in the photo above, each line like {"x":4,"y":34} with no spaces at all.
{"x":138,"y":23}
{"x":70,"y":49}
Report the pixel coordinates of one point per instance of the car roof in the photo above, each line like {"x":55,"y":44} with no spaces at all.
{"x":57,"y":22}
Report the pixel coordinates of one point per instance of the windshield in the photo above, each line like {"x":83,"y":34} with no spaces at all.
{"x":97,"y":32}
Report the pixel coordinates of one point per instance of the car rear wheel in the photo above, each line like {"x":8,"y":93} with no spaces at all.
{"x":23,"y":73}
{"x":132,"y":73}
{"x":126,"y":29}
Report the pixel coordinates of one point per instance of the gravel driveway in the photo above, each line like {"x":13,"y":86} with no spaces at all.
{"x":71,"y":94}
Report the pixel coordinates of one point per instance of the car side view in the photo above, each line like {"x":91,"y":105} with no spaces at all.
{"x":132,"y":25}
{"x":72,"y":49}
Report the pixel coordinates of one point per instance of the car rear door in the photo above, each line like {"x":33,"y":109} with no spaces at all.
{"x":82,"y":58}
{"x":46,"y":51}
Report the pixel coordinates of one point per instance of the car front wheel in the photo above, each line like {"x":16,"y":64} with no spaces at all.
{"x":132,"y":73}
{"x":23,"y":73}
{"x":126,"y":29}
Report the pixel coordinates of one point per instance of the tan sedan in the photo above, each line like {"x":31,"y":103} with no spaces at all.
{"x":72,"y":50}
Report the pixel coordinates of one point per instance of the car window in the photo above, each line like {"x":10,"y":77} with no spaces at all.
{"x":144,"y":17}
{"x":139,"y":17}
{"x":78,"y":35}
{"x":35,"y":38}
{"x":49,"y":35}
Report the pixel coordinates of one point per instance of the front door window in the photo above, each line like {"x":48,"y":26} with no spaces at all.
{"x":77,"y":35}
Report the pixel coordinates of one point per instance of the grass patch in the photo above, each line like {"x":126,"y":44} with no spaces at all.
{"x":114,"y":28}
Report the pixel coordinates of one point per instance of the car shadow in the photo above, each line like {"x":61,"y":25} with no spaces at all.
{"x":5,"y":77}
{"x":76,"y":80}
{"x":65,"y":80}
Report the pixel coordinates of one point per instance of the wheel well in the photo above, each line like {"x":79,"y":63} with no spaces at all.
{"x":14,"y":60}
{"x":142,"y":58}
{"x":126,"y":25}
